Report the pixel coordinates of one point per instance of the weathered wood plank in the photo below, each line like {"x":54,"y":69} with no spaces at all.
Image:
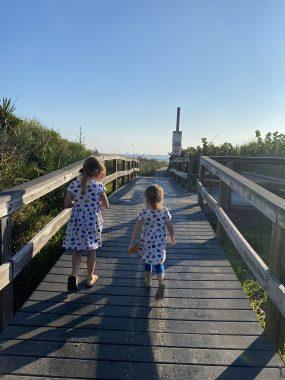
{"x":159,"y":339}
{"x":139,"y":311}
{"x":68,"y":368}
{"x":177,"y":303}
{"x":137,"y":324}
{"x":203,"y":356}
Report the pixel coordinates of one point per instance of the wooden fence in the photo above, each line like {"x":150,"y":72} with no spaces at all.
{"x":13,"y":199}
{"x":271,"y":277}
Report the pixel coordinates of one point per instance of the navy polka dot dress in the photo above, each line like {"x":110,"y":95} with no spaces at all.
{"x":152,"y":246}
{"x":86,"y":223}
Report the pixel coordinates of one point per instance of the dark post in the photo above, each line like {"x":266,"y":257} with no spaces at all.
{"x":223,"y":192}
{"x":189,"y":174}
{"x":230,"y":165}
{"x":124,"y":168}
{"x":202,"y":180}
{"x":6,"y":294}
{"x":275,"y":322}
{"x":115,"y":169}
{"x":129,"y":166}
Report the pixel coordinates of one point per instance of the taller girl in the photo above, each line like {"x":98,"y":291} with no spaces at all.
{"x":86,"y":194}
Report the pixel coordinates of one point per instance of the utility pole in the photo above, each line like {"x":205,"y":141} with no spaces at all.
{"x":81,"y":137}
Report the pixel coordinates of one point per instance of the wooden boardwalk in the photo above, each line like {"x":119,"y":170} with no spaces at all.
{"x":204,"y":329}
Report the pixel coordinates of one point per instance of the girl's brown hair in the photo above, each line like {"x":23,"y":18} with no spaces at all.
{"x":154,"y":196}
{"x":92,"y":168}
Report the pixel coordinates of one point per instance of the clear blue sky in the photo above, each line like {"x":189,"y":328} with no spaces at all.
{"x":119,"y":68}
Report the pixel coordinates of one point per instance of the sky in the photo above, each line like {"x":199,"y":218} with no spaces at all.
{"x":119,"y":69}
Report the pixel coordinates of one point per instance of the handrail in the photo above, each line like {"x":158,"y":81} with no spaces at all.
{"x":271,"y":277}
{"x":18,"y":196}
{"x":28,"y":251}
{"x":260,"y":159}
{"x":274,"y":288}
{"x":25,"y":193}
{"x":269,"y":204}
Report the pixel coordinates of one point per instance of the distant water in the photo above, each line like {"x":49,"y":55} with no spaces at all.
{"x":160,"y":157}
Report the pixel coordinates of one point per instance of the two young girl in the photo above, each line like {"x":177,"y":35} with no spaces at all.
{"x":86,"y":195}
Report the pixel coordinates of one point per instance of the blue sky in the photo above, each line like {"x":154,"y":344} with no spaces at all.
{"x":119,"y":68}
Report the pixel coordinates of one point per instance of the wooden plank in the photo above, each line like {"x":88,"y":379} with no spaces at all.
{"x":5,"y":275}
{"x":137,"y":354}
{"x":138,"y":312}
{"x":275,"y":322}
{"x":134,"y":282}
{"x":141,"y":292}
{"x":68,"y":368}
{"x":177,"y":303}
{"x":159,"y":339}
{"x":137,"y":324}
{"x":29,"y":251}
{"x":178,"y":173}
{"x":18,"y":196}
{"x":183,"y":277}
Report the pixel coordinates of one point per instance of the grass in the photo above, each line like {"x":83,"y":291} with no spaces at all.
{"x":259,"y":238}
{"x":257,"y":296}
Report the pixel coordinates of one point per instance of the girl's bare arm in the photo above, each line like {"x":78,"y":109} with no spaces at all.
{"x":136,"y":232}
{"x":68,"y":200}
{"x":170,"y":230}
{"x":104,"y":201}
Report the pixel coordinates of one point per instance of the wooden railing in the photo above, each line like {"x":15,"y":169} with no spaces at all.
{"x":186,"y":169}
{"x":13,"y":199}
{"x":271,"y":277}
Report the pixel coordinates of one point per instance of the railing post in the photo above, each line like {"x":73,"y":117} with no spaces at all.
{"x":230,"y":165}
{"x":133,"y":166}
{"x":275,"y":322}
{"x":6,"y":295}
{"x":124,"y":168}
{"x":223,"y":193}
{"x":129,"y":166}
{"x":202,"y":180}
{"x":115,"y":169}
{"x":189,"y":175}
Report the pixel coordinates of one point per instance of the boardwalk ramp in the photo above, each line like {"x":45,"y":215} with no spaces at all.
{"x":204,"y":328}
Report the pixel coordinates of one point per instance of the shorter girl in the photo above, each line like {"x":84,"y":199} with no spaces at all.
{"x":151,"y":224}
{"x":83,"y":234}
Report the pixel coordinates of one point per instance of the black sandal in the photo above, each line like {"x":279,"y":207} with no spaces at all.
{"x":72,"y":284}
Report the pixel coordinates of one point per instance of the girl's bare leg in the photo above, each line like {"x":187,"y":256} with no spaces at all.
{"x":148,"y":279}
{"x":76,"y":258}
{"x":160,"y":278}
{"x":72,"y":279}
{"x":161,"y":287}
{"x":91,"y":261}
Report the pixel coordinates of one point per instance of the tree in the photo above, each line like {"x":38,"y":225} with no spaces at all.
{"x":6,"y":111}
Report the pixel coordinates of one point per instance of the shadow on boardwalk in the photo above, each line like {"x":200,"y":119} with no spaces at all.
{"x":110,"y":331}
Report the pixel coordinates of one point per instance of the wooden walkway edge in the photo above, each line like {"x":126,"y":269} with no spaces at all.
{"x":204,"y":329}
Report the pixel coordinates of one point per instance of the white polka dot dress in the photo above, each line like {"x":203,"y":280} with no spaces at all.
{"x":85,"y":226}
{"x":152,"y":246}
